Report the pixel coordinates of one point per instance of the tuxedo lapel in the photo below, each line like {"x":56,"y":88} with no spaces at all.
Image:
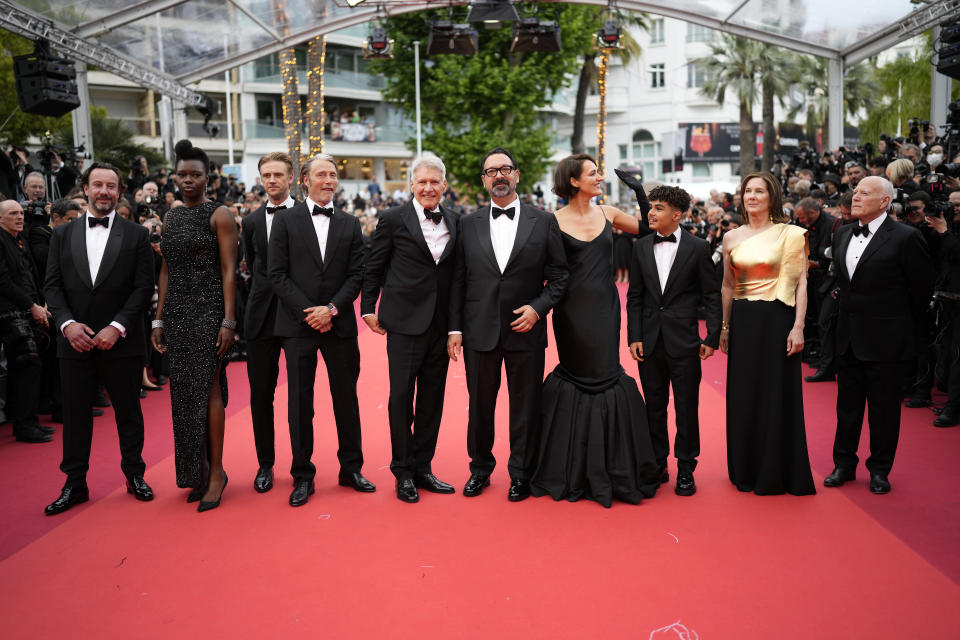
{"x":524,"y":228}
{"x":78,"y":248}
{"x":112,"y":250}
{"x":412,"y":222}
{"x":260,"y":232}
{"x":650,"y":265}
{"x":483,"y":236}
{"x":451,"y":221}
{"x":334,"y":236}
{"x":684,"y":253}
{"x":310,"y":235}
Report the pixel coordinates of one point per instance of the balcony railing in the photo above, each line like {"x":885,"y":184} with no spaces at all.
{"x":350,"y":132}
{"x":270,"y":73}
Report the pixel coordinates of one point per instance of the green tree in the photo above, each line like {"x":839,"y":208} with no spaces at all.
{"x":777,"y":70}
{"x":859,"y":92}
{"x":471,"y":104}
{"x":732,"y":66}
{"x":19,"y":125}
{"x":113,"y":142}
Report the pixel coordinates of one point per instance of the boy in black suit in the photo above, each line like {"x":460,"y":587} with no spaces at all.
{"x":671,"y":275}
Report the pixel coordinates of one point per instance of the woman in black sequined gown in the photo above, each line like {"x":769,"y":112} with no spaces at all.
{"x":196,"y":306}
{"x":595,"y":442}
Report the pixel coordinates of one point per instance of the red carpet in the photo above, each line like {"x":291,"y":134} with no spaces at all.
{"x":841,"y":564}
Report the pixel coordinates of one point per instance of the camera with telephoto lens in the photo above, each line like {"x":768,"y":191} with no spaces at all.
{"x":148,"y":206}
{"x":155,"y":237}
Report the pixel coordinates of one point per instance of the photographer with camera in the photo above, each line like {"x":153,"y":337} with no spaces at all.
{"x":36,"y":207}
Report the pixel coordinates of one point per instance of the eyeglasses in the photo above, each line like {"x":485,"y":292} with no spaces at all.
{"x":492,"y":172}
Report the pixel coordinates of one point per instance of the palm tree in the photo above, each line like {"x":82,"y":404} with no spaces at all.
{"x":113,"y":142}
{"x":733,"y":66}
{"x":589,"y":72}
{"x":859,"y":92}
{"x":777,"y":70}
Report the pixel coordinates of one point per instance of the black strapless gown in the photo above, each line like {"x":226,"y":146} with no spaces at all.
{"x":595,"y":441}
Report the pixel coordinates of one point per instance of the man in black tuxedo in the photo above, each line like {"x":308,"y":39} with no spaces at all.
{"x":671,"y":275}
{"x":99,"y":283}
{"x":511,"y":269}
{"x":409,"y":267}
{"x":263,"y":345}
{"x":316,"y":266}
{"x":885,"y":276}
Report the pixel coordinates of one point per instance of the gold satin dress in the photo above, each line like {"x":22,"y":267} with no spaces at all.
{"x":766,"y":436}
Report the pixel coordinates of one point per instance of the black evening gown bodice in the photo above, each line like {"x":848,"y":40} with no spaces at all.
{"x":192,"y":313}
{"x":594,"y":442}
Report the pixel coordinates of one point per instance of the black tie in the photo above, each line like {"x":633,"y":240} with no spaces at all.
{"x":659,"y":238}
{"x":103,"y":222}
{"x":326,"y":211}
{"x":275,"y":209}
{"x":861,"y":230}
{"x":436,"y":216}
{"x":497,"y":212}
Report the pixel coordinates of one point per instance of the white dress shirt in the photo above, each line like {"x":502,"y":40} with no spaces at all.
{"x":288,"y":203}
{"x":321,"y":224}
{"x":503,"y":231}
{"x":858,"y":244}
{"x":96,"y":245}
{"x":664,"y":253}
{"x":436,"y":235}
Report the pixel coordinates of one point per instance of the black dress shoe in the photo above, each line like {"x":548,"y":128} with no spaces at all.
{"x":302,"y":490}
{"x":407,"y":491}
{"x":357,"y":481}
{"x":820,"y":376}
{"x":162,"y":380}
{"x":140,"y":489}
{"x":432,"y":484}
{"x":839,"y":476}
{"x":519,"y":490}
{"x":195,"y":494}
{"x":31,"y":433}
{"x":914,"y":402}
{"x":47,"y":430}
{"x":100,"y":399}
{"x":947,"y":418}
{"x":879,"y":484}
{"x":69,"y":496}
{"x":685,"y":484}
{"x":213,"y":504}
{"x":264,"y":480}
{"x":143,"y":393}
{"x":664,"y":476}
{"x":475,"y":485}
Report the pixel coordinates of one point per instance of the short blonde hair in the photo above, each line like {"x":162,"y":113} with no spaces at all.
{"x":899,"y":171}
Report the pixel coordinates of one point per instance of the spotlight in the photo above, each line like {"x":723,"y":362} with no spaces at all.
{"x":609,"y":36}
{"x":378,"y":45}
{"x":531,"y":34}
{"x":446,"y":37}
{"x":492,"y":12}
{"x":208,"y":109}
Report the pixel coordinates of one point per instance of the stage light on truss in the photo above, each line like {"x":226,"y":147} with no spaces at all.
{"x":608,"y":37}
{"x":447,"y":37}
{"x":378,"y":45}
{"x":492,"y":12}
{"x":532,"y":34}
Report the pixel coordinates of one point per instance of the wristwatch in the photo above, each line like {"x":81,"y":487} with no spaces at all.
{"x":333,"y":309}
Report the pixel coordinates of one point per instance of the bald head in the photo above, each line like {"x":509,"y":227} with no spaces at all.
{"x":871,"y":198}
{"x":11,"y":217}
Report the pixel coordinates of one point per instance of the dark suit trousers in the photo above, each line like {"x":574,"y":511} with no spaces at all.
{"x":23,"y":370}
{"x":875,"y":386}
{"x":524,"y":382}
{"x":417,"y":364}
{"x":342,"y":359}
{"x":263,"y":369}
{"x":657,"y":372}
{"x":80,"y":379}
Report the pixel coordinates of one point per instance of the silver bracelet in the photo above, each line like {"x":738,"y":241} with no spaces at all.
{"x":156,"y":324}
{"x":228,"y":324}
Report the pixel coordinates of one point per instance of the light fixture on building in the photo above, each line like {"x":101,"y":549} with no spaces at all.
{"x":492,"y":12}
{"x":608,"y":37}
{"x":447,"y":37}
{"x":208,"y":109}
{"x":533,"y":34}
{"x":378,"y":45}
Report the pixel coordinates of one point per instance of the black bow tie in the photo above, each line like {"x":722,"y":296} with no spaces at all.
{"x":275,"y":209}
{"x":436,"y":216}
{"x":318,"y":210}
{"x":103,"y":222}
{"x":497,"y":212}
{"x":861,"y":230}
{"x":659,"y":238}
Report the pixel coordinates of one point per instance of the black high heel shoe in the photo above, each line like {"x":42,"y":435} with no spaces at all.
{"x":206,"y":506}
{"x":195,"y":494}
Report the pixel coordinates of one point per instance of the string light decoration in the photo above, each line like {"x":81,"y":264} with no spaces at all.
{"x":292,"y":119}
{"x":602,"y":114}
{"x":323,"y":108}
{"x":316,"y":54}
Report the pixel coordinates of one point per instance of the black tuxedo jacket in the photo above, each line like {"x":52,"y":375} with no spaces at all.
{"x":482,"y":299}
{"x":122,"y":292}
{"x":413,"y":289}
{"x":671,"y":315}
{"x":16,"y":271}
{"x":302,"y":277}
{"x":881,"y":305}
{"x":262,"y":301}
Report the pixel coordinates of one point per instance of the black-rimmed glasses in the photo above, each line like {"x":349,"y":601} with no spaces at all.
{"x":492,"y":172}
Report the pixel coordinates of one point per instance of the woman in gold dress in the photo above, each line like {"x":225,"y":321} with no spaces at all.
{"x":764,"y":302}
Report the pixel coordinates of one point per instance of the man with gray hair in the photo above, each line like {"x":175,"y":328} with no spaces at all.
{"x":410,"y":268}
{"x":885,"y":277}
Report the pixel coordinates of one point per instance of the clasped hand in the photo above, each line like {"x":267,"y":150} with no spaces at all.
{"x":82,"y":338}
{"x":319,"y":318}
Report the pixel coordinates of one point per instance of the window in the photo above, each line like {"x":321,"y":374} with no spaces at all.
{"x":698,"y":33}
{"x":656,"y":31}
{"x":623,"y":153}
{"x":697,"y":75}
{"x":701,"y":169}
{"x":657,"y":76}
{"x":646,"y":154}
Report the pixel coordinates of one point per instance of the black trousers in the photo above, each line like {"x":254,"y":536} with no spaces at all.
{"x":876,"y":387}
{"x":342,"y":359}
{"x":950,"y":352}
{"x":23,"y":369}
{"x":263,"y":370}
{"x":418,"y":374}
{"x":524,"y":383}
{"x":80,"y":378}
{"x":658,"y":372}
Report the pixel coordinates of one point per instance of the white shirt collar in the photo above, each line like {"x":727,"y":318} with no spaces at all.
{"x":311,"y":203}
{"x":515,"y":204}
{"x":420,"y":209}
{"x":109,"y":215}
{"x":289,"y":202}
{"x":876,"y":222}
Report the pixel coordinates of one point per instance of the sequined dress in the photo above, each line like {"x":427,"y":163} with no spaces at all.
{"x":192,"y":313}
